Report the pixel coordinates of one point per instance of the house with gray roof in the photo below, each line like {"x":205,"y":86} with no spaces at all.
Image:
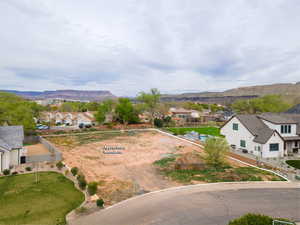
{"x":11,"y":146}
{"x":266,"y":135}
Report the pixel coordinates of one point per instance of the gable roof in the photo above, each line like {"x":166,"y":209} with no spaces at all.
{"x":11,"y":137}
{"x":296,"y":118}
{"x":256,"y":127}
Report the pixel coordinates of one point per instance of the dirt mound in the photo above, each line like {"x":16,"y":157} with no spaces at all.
{"x":189,"y":161}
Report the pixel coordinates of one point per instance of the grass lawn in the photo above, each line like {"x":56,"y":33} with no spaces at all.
{"x":47,"y":202}
{"x":294,"y":163}
{"x":209,"y":175}
{"x":214,"y":131}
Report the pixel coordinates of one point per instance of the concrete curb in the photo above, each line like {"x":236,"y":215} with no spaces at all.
{"x":209,"y":184}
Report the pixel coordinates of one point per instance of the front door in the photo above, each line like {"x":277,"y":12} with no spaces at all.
{"x":23,"y":159}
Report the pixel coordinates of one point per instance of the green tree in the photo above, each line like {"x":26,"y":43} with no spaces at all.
{"x":103,"y":109}
{"x":15,"y":110}
{"x":151,"y":101}
{"x":193,"y":106}
{"x":92,"y":106}
{"x":125,"y":111}
{"x":268,"y":103}
{"x":92,"y":188}
{"x":216,"y":150}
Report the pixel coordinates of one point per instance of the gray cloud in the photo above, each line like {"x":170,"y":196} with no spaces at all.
{"x":133,"y":45}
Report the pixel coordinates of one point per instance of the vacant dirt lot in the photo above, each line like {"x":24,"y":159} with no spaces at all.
{"x":138,"y":152}
{"x":36,"y":149}
{"x":121,"y":175}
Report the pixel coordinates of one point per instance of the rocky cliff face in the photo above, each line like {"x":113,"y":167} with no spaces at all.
{"x":66,"y":94}
{"x":289,"y":90}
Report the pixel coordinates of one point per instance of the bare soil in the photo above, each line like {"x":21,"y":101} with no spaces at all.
{"x":36,"y":149}
{"x":122,"y":175}
{"x":134,"y":163}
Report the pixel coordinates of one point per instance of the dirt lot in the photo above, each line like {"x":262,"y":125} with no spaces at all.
{"x":121,"y":175}
{"x":36,"y":149}
{"x":139,"y":151}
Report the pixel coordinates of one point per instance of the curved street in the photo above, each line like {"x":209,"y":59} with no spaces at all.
{"x":207,"y":204}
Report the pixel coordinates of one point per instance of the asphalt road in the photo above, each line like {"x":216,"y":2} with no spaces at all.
{"x":213,"y":204}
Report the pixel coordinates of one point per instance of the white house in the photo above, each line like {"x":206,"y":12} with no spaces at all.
{"x":11,"y":146}
{"x":68,"y":118}
{"x":266,"y":135}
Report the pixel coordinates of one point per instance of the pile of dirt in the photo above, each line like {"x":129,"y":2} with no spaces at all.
{"x":189,"y":161}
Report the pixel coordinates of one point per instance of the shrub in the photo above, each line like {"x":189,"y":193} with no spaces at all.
{"x":81,"y":181}
{"x":216,"y":150}
{"x":14,"y":173}
{"x":92,"y":188}
{"x":158,"y":122}
{"x":28,"y":168}
{"x":59,"y":165}
{"x":74,"y":171}
{"x":254,"y":219}
{"x":6,"y":172}
{"x":100,"y":203}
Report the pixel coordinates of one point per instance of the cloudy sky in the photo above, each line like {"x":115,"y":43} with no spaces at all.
{"x":127,"y":46}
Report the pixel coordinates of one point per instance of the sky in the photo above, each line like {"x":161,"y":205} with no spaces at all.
{"x":128,"y":46}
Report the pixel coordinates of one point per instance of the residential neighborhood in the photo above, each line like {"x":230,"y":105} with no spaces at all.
{"x":68,"y":118}
{"x":150,"y":112}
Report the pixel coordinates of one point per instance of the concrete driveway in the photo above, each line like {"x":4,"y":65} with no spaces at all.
{"x":208,"y":204}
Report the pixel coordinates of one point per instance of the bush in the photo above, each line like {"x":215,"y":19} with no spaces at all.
{"x":158,"y":122}
{"x":81,"y":181}
{"x":28,"y":168}
{"x":6,"y":172}
{"x":100,"y":203}
{"x":14,"y":173}
{"x":74,"y":171}
{"x":254,"y":219}
{"x":92,"y":188}
{"x":59,"y":165}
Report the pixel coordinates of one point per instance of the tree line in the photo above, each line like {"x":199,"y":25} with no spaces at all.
{"x":15,"y":110}
{"x":267,"y":103}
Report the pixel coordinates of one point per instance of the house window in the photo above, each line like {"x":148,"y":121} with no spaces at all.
{"x":243,"y":143}
{"x":274,"y":147}
{"x":286,"y":129}
{"x":235,"y":126}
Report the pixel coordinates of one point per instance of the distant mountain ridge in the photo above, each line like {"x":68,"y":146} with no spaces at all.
{"x":291,"y":90}
{"x":65,"y":94}
{"x":259,"y":90}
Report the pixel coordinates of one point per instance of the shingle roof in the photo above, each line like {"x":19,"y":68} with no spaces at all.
{"x":256,"y":127}
{"x":11,"y":137}
{"x":277,"y":118}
